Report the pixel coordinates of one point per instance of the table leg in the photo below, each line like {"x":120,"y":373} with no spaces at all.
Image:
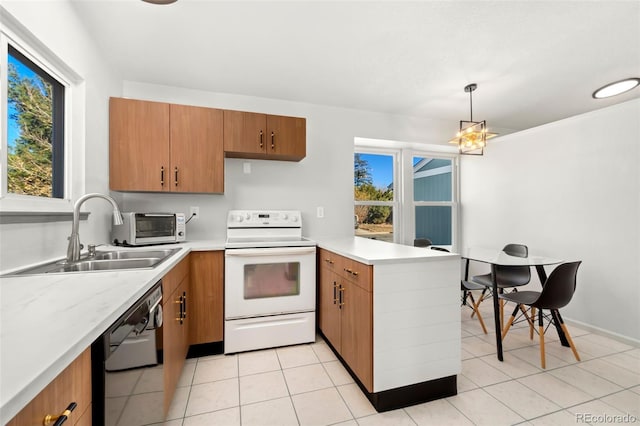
{"x":496,"y":311}
{"x":555,"y":314}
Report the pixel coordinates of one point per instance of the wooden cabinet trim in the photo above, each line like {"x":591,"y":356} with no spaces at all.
{"x":207,"y":297}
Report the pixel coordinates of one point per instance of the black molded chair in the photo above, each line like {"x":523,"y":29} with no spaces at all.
{"x":507,"y":277}
{"x":422,"y":242}
{"x":466,"y":287}
{"x":556,"y":293}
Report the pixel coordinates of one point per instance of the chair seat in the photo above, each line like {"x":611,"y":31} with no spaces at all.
{"x":468,"y":285}
{"x":521,"y":297}
{"x":485,"y":281}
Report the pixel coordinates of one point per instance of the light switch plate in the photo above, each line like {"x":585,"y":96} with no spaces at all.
{"x":246,"y":167}
{"x":320,"y":212}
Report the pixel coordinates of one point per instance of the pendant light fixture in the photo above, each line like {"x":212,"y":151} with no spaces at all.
{"x":473,"y":135}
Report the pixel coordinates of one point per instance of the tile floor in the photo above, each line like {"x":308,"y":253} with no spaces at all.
{"x":306,"y":385}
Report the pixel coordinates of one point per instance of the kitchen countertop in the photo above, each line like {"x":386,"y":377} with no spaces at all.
{"x":47,"y":320}
{"x":374,"y":252}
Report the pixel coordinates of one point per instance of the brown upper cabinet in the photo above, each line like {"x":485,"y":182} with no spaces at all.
{"x":161,"y":147}
{"x":262,"y":136}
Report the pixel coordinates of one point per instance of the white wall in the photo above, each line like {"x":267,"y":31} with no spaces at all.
{"x":568,"y":189}
{"x":22,"y":244}
{"x":324,"y":178}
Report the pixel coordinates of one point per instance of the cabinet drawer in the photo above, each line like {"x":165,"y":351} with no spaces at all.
{"x":352,"y":270}
{"x":330,"y":261}
{"x":174,"y":277}
{"x":358,"y":273}
{"x":72,"y":385}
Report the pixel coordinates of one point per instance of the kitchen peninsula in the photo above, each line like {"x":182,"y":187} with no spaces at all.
{"x":391,"y":312}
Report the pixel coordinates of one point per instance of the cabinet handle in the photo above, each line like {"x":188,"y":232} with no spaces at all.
{"x":329,"y":261}
{"x":162,"y":176}
{"x":335,"y":291}
{"x":184,"y":304}
{"x":176,"y":175}
{"x":341,"y":293}
{"x":61,"y":418}
{"x":261,"y":143}
{"x":273,"y":140}
{"x":179,"y":302}
{"x":354,"y":273}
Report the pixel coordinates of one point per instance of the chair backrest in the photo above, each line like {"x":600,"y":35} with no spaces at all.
{"x":518,"y":250}
{"x":514,"y":275}
{"x":558,"y":289}
{"x":421,"y":242}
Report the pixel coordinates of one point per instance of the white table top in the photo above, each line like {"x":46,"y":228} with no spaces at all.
{"x":47,"y":320}
{"x":499,"y":257}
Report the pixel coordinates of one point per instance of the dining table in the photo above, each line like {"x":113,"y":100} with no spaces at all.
{"x":496,"y":258}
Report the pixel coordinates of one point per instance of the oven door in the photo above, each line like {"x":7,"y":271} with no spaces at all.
{"x":269,"y":281}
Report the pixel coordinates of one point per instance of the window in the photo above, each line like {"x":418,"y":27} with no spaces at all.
{"x":35,"y":129}
{"x":401,"y":194}
{"x":374,"y":195}
{"x":433,"y":199}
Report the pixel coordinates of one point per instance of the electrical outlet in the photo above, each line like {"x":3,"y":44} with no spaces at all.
{"x":320,"y":212}
{"x":246,"y":167}
{"x":194,"y":213}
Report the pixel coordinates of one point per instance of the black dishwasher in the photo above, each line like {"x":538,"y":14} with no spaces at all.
{"x":133,"y":394}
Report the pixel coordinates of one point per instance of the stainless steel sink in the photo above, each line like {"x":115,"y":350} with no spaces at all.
{"x":134,"y":254}
{"x":104,"y":261}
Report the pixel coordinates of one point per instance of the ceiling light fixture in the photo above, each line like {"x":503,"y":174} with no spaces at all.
{"x":473,"y":135}
{"x":616,"y":88}
{"x":160,"y":1}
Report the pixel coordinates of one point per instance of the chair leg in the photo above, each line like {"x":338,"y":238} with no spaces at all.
{"x":533,"y":319}
{"x":570,"y":340}
{"x":484,"y":291}
{"x":513,"y":317}
{"x":475,"y":310}
{"x":541,"y":332}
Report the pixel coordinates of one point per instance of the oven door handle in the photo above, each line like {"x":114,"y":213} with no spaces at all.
{"x":270,"y":252}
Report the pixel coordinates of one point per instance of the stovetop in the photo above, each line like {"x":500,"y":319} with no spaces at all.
{"x":265,"y":228}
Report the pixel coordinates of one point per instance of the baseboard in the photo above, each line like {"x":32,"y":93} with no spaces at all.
{"x":602,"y":332}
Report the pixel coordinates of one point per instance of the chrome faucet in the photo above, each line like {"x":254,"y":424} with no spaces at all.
{"x":73,"y":250}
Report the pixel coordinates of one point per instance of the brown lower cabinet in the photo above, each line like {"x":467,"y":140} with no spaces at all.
{"x":346,"y":311}
{"x":175,"y":328}
{"x":206,"y":324}
{"x":72,"y":385}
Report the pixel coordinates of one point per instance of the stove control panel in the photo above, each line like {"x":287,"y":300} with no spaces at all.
{"x":264,"y":219}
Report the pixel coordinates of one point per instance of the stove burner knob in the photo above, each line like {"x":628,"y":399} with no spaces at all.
{"x":285,"y":216}
{"x":294,"y":218}
{"x":239,"y":218}
{"x":247,"y":216}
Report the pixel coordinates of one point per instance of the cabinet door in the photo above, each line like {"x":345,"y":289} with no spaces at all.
{"x":72,"y":385}
{"x":286,"y":138}
{"x":329,"y":308}
{"x":174,"y":339}
{"x":245,"y":133}
{"x":206,"y":297}
{"x":138,"y":145}
{"x":357,"y":331}
{"x":197,"y":156}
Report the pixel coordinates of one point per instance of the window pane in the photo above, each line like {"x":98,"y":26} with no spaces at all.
{"x":373,"y":181}
{"x":375,"y":222}
{"x":434,"y":223}
{"x":373,"y":177}
{"x":35,"y":161}
{"x":432,"y":179}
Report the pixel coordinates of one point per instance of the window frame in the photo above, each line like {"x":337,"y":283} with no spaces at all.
{"x":394,"y":204}
{"x":412,"y":203}
{"x":404,"y":204}
{"x":27,"y":45}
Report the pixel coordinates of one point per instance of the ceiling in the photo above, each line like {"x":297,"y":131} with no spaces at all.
{"x":534,"y":61}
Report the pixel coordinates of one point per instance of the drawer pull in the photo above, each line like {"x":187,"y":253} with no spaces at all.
{"x":329,"y":261}
{"x":61,"y":418}
{"x":354,"y":273}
